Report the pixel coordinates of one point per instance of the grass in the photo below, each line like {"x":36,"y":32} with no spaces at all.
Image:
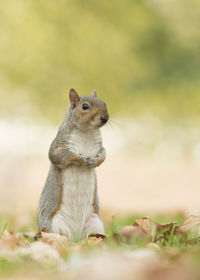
{"x":166,"y":243}
{"x":3,"y":229}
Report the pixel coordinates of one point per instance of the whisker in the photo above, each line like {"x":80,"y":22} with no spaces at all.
{"x":117,"y":122}
{"x":109,"y":122}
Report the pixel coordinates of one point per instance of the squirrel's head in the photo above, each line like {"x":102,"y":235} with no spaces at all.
{"x":87,"y":111}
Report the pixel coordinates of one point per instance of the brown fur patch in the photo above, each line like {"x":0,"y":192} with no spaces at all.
{"x":59,"y":180}
{"x":97,"y":235}
{"x":77,"y":159}
{"x":44,"y":229}
{"x":100,"y":161}
{"x":94,"y":203}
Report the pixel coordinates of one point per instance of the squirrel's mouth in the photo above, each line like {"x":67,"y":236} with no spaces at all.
{"x":101,"y":123}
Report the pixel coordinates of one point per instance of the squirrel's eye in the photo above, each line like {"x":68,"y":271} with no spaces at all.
{"x":85,"y":106}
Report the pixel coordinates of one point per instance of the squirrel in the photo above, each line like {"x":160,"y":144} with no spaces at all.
{"x":69,"y":202}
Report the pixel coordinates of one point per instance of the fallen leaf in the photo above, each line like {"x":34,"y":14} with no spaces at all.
{"x":164,"y":231}
{"x":140,"y":228}
{"x":192,"y":224}
{"x":54,"y":239}
{"x":129,"y":231}
{"x":9,"y":240}
{"x":144,"y":227}
{"x":157,"y":232}
{"x":166,"y":227}
{"x":143,"y":223}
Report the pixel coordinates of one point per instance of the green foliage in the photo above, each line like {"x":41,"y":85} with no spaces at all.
{"x":7,"y":267}
{"x":139,"y":55}
{"x":3,"y":229}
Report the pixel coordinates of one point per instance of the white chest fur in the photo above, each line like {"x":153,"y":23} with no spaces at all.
{"x":86,"y":144}
{"x":78,"y":187}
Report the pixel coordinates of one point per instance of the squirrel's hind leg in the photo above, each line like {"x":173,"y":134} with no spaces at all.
{"x":60,"y":226}
{"x":50,"y":199}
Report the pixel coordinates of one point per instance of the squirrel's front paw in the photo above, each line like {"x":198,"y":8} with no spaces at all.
{"x":95,"y":162}
{"x":91,"y":162}
{"x":100,"y":159}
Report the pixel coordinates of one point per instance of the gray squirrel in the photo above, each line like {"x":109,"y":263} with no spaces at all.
{"x":69,"y":201}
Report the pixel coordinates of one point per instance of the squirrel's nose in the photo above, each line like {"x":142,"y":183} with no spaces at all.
{"x":104,"y":119}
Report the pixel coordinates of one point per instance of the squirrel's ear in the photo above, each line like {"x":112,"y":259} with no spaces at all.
{"x":73,"y":97}
{"x":94,"y":93}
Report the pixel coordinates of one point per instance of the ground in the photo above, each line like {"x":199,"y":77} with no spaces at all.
{"x":161,"y":247}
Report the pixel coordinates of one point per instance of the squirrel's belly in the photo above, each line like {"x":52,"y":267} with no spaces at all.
{"x":77,"y":199}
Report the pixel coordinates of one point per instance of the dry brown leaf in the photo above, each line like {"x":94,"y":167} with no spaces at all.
{"x":54,"y":239}
{"x":140,"y":228}
{"x":192,"y":223}
{"x":144,"y":223}
{"x":164,"y":228}
{"x":129,"y":231}
{"x":164,"y":231}
{"x":143,"y":228}
{"x":9,"y":240}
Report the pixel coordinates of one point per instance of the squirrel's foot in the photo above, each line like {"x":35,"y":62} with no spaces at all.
{"x":93,"y":225}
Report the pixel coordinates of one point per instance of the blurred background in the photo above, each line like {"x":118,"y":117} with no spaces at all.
{"x":143,"y":59}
